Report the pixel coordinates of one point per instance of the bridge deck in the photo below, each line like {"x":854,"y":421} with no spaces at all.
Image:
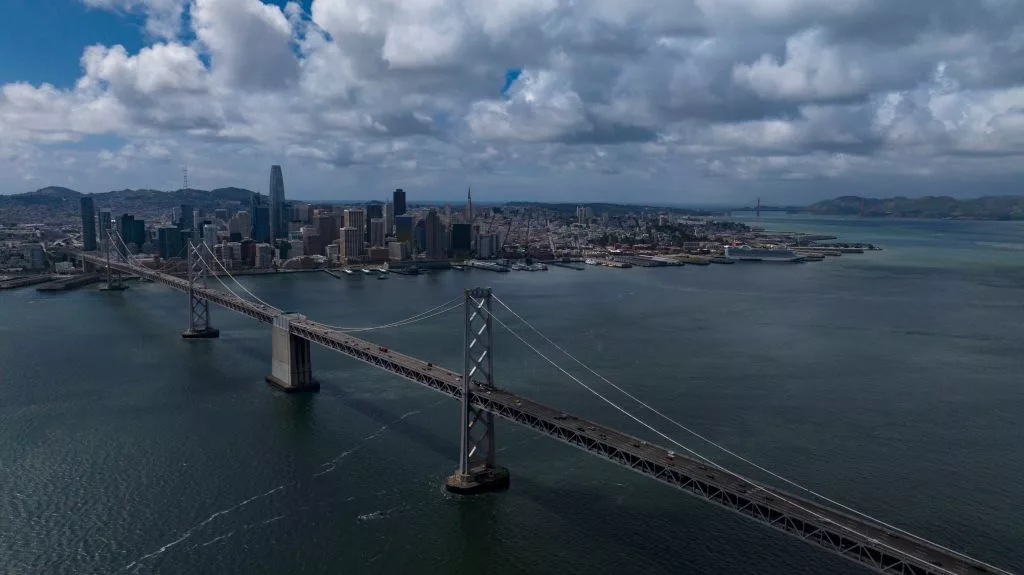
{"x":855,"y":538}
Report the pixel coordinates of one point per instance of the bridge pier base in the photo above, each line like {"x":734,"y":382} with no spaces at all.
{"x":478,"y":480}
{"x":290,"y":369}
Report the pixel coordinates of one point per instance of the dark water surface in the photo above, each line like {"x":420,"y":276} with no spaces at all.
{"x":891,"y":381}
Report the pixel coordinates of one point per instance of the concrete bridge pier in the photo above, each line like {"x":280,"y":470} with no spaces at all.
{"x":477,"y":472}
{"x":290,"y":369}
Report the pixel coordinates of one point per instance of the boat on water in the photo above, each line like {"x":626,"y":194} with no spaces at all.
{"x":749,"y":254}
{"x":590,"y":262}
{"x":367,"y":271}
{"x":346,"y":270}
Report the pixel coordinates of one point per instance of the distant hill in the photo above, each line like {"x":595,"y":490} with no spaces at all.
{"x":56,"y":197}
{"x":939,"y":207}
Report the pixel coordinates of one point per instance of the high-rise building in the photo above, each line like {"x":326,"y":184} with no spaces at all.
{"x":469,"y":206}
{"x":221,"y":214}
{"x":139,"y":233}
{"x":126,"y":227}
{"x":419,"y":236}
{"x":374,"y":210}
{"x":327,"y":228}
{"x":435,"y":236}
{"x":487,"y":246}
{"x":461,"y":238}
{"x":403,"y":228}
{"x":259,"y":215}
{"x":88,"y":224}
{"x":187,"y":220}
{"x":351,"y":244}
{"x":278,"y":218}
{"x":398,"y":251}
{"x":399,"y":200}
{"x":169,"y":242}
{"x":264,"y":255}
{"x":389,"y":218}
{"x":355,"y":218}
{"x":210,"y":235}
{"x":377,"y":232}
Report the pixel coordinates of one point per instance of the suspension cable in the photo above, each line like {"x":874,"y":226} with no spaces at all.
{"x":449,"y":305}
{"x":195,"y":251}
{"x":703,"y":458}
{"x":740,"y":457}
{"x":221,"y":264}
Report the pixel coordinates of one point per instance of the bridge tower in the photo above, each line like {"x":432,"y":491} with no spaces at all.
{"x":198,"y":308}
{"x":114,"y":280}
{"x":290,"y":369}
{"x":477,"y":472}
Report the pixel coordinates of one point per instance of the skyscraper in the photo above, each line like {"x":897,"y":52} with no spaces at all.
{"x":469,"y":206}
{"x":399,"y":200}
{"x":126,"y":228}
{"x":356,"y":219}
{"x":187,"y":221}
{"x":104,"y":225}
{"x":351,"y":244}
{"x":377,"y":232}
{"x":374,"y":211}
{"x":88,"y":224}
{"x":435,"y":236}
{"x":278,"y":221}
{"x":404,"y":228}
{"x":389,"y":218}
{"x":259,"y":216}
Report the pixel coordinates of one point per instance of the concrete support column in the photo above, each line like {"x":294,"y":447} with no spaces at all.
{"x":290,"y":367}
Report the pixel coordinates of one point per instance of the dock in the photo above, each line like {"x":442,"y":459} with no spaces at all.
{"x":70,"y":282}
{"x":24,"y":281}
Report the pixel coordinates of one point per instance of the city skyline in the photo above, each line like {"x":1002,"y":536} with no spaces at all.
{"x":709,"y":102}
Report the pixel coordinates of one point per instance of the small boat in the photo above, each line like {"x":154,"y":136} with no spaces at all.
{"x":382,"y":276}
{"x":346,"y":270}
{"x":367,"y":271}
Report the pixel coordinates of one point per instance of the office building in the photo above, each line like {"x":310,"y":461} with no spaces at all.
{"x":461,"y":238}
{"x":435,"y":245}
{"x":351,"y":244}
{"x":264,"y":255}
{"x":169,"y":242}
{"x":487,"y":246}
{"x":186,"y":217}
{"x":35,"y":257}
{"x":139,"y":233}
{"x":327,"y":227}
{"x":399,"y":200}
{"x":377,"y":232}
{"x":278,"y":215}
{"x":248,"y":252}
{"x":389,"y":218}
{"x":88,"y":224}
{"x":419,"y":236}
{"x":332,"y":253}
{"x":398,"y":251}
{"x":355,"y":218}
{"x":209,"y":235}
{"x":404,"y":228}
{"x":259,"y":216}
{"x":469,"y":206}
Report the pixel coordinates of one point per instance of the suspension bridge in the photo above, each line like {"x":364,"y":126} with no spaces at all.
{"x":815,"y":519}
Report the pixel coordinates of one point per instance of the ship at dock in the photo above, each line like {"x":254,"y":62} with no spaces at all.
{"x":749,"y":254}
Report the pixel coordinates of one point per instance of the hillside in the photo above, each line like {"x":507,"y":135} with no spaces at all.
{"x":56,"y":203}
{"x":939,"y":207}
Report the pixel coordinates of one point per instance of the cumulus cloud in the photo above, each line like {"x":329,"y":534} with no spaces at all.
{"x":360,"y":95}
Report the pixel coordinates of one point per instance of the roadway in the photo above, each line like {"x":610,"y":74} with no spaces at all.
{"x":855,"y":538}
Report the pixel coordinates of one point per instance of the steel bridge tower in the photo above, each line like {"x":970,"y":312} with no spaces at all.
{"x":477,"y":472}
{"x":198,"y":308}
{"x":114,"y":280}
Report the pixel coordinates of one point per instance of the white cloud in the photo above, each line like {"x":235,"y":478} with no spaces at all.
{"x":368,"y":92}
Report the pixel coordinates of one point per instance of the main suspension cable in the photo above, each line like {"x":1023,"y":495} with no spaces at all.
{"x":738,"y":456}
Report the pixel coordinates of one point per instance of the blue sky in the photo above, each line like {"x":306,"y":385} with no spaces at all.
{"x":717,"y":102}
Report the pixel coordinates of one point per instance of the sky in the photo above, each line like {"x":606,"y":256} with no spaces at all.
{"x":673,"y":101}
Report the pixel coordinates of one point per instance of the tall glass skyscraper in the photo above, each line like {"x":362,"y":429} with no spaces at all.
{"x":399,"y":200}
{"x":259,"y":216}
{"x":278,"y":219}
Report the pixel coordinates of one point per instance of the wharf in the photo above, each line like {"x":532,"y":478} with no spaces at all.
{"x":24,"y":281}
{"x":70,"y":282}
